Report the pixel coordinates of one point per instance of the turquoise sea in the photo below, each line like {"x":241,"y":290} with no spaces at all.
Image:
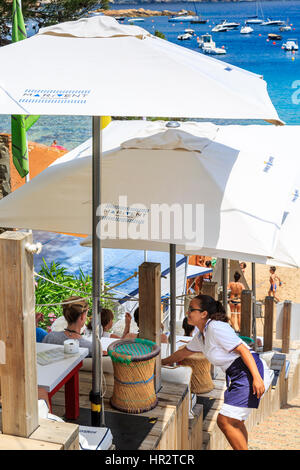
{"x":280,"y":69}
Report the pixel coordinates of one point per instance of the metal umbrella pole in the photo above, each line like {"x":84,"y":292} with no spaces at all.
{"x":253,"y":303}
{"x":97,"y":410}
{"x":173,"y":297}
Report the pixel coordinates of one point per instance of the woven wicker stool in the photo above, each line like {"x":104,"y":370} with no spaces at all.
{"x":201,"y":381}
{"x":133,"y":362}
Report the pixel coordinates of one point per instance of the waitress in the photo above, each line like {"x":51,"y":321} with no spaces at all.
{"x":244,"y":369}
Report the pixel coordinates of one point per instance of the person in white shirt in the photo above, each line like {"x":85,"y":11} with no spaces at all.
{"x":222,"y":347}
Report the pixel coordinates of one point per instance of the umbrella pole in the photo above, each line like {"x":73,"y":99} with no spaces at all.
{"x":253,"y":304}
{"x":173,"y":297}
{"x":97,"y":411}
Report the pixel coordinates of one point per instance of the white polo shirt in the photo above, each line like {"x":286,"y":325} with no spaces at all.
{"x":217,"y":343}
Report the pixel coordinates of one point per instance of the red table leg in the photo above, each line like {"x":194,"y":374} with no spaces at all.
{"x":71,"y":383}
{"x":72,"y":397}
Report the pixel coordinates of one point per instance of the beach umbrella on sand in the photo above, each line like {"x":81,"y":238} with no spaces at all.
{"x":98,"y":67}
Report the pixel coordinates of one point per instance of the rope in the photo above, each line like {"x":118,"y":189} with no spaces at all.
{"x":122,"y":282}
{"x":114,"y":299}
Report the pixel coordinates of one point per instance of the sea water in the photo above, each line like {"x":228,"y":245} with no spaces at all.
{"x":253,"y":52}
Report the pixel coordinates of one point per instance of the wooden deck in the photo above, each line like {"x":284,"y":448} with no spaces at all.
{"x":171,"y":430}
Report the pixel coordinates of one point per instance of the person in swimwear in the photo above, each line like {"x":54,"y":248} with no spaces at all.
{"x":273,"y":282}
{"x":236,"y":289}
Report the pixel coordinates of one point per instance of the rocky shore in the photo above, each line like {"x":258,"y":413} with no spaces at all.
{"x":141,"y":12}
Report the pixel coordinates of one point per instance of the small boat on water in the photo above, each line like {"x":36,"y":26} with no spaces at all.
{"x":285,"y":28}
{"x":189,"y":30}
{"x":225,"y":26}
{"x":198,"y":20}
{"x":208,"y":46}
{"x":246,"y":30}
{"x":274,"y":37}
{"x":134,"y":20}
{"x":254,"y":20}
{"x":270,"y":22}
{"x":183,"y":37}
{"x":291,"y":45}
{"x":120,"y":18}
{"x":179,"y":19}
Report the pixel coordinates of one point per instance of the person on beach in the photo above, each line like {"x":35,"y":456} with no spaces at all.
{"x":75,"y":310}
{"x":243,"y":266}
{"x":223,"y":348}
{"x":236,"y":288}
{"x":107,"y":319}
{"x":274,"y":279}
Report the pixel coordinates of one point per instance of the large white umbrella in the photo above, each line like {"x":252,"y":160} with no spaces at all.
{"x":97,"y":67}
{"x":233,"y":171}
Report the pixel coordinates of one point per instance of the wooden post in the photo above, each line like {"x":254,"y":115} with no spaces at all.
{"x":268,"y":324}
{"x":17,"y":331}
{"x":286,"y":326}
{"x":210,"y":288}
{"x":150,"y":309}
{"x":246,"y":313}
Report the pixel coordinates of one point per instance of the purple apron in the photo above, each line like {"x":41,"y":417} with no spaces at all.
{"x":239,"y":384}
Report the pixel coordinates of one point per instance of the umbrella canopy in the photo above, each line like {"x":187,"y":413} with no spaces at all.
{"x":287,"y":251}
{"x":233,"y":171}
{"x":97,"y":66}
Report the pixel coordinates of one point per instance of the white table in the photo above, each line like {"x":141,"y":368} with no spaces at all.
{"x":65,"y":372}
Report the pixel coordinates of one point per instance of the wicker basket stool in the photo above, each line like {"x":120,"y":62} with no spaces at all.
{"x":201,"y":381}
{"x":133,"y":363}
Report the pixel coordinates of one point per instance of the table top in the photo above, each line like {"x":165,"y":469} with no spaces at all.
{"x":50,"y":375}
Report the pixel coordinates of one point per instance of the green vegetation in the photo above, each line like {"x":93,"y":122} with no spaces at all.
{"x":48,"y":293}
{"x":53,"y":12}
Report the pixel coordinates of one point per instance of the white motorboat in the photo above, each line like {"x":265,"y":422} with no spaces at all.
{"x":183,"y":37}
{"x":225,"y":26}
{"x":246,"y":30}
{"x":291,"y":45}
{"x":134,"y":20}
{"x":179,"y":19}
{"x":285,"y":28}
{"x":270,"y":22}
{"x":208,"y":46}
{"x":189,"y":30}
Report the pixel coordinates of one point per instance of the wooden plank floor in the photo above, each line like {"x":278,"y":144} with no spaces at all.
{"x":170,"y":399}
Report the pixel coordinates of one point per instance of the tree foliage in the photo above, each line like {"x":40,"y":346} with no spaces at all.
{"x":46,"y":14}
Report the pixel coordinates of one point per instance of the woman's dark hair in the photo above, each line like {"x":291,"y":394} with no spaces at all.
{"x":214,"y":308}
{"x":208,"y":264}
{"x":188,"y":329}
{"x":76,"y":307}
{"x":237,"y":276}
{"x":243,"y":265}
{"x":273,"y":268}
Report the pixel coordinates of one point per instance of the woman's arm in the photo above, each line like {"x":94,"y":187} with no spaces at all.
{"x":127,"y":324}
{"x":177,"y":356}
{"x":258,"y":383}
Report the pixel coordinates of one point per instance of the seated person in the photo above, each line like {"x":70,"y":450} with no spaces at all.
{"x":40,"y":332}
{"x":163,"y":337}
{"x":75,"y":311}
{"x":107,"y":318}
